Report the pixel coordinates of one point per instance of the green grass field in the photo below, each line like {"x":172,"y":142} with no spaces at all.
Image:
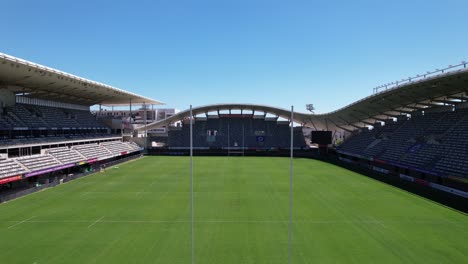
{"x":140,"y":213}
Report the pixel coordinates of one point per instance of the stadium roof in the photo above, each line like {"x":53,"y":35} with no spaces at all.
{"x":415,"y":94}
{"x":38,"y":81}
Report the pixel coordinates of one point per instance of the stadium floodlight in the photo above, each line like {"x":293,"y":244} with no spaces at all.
{"x":310,"y":108}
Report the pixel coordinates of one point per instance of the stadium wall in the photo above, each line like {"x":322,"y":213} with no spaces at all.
{"x":448,"y":196}
{"x":299,"y":153}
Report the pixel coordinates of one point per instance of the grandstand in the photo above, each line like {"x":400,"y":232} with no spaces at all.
{"x":433,"y":142}
{"x":236,"y":132}
{"x":46,"y":127}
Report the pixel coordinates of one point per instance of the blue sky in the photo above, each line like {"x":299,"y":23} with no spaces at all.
{"x":281,"y":53}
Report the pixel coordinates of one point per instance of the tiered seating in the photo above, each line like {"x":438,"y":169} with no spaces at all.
{"x":57,"y":118}
{"x":4,"y":122}
{"x":92,"y":151}
{"x":356,"y":143}
{"x":445,"y":123}
{"x":37,"y":162}
{"x":26,"y":117}
{"x":63,"y":155}
{"x":86,"y":119}
{"x":10,"y":168}
{"x":66,"y":155}
{"x":35,"y":116}
{"x":455,"y":158}
{"x":299,"y":140}
{"x":423,"y":155}
{"x":133,"y":146}
{"x":116,"y":147}
{"x":403,"y":138}
{"x":236,"y":132}
{"x":434,"y":142}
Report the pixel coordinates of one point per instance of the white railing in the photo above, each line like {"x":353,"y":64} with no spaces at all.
{"x":419,"y":77}
{"x":41,"y":102}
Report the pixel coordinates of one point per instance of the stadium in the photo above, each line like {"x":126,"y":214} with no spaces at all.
{"x":382,"y":178}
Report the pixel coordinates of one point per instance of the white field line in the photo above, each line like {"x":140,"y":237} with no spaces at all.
{"x":95,"y":222}
{"x":178,"y":192}
{"x":319,"y":222}
{"x":157,"y":221}
{"x":19,"y":223}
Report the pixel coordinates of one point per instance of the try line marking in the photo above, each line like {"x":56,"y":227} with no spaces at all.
{"x":207,"y":221}
{"x":95,"y":222}
{"x":19,"y":223}
{"x":214,"y":221}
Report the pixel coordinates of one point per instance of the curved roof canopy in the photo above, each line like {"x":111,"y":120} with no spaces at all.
{"x":37,"y":81}
{"x":280,"y":112}
{"x":445,"y":89}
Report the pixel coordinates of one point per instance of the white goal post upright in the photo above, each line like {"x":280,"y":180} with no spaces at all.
{"x":191,"y":188}
{"x":291,"y":188}
{"x":290,"y":226}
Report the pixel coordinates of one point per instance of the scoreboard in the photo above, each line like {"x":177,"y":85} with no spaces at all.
{"x":321,"y":137}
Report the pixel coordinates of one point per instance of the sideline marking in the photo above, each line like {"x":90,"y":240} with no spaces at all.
{"x":95,"y":222}
{"x":19,"y":223}
{"x":207,"y":221}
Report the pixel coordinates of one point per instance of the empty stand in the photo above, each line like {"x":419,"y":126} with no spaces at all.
{"x":38,"y":162}
{"x":35,"y":116}
{"x":236,"y":132}
{"x":10,"y":167}
{"x":117,"y":147}
{"x":91,"y":151}
{"x":26,"y":125}
{"x":132,"y":146}
{"x":435,"y":141}
{"x":66,"y":155}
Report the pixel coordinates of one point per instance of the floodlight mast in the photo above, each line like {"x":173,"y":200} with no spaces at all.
{"x":310,"y":108}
